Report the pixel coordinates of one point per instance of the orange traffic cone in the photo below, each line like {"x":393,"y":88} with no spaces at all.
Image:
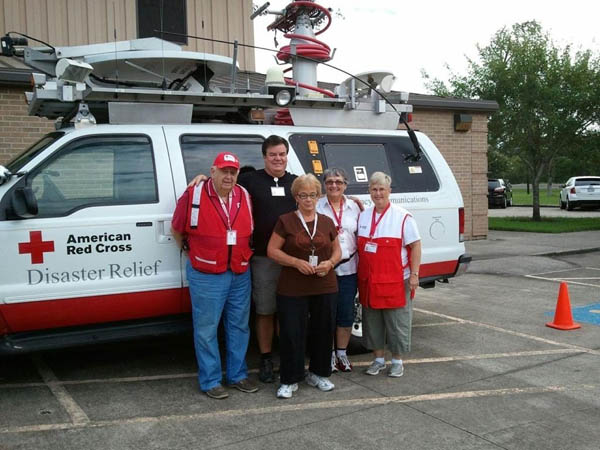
{"x":563,"y":319}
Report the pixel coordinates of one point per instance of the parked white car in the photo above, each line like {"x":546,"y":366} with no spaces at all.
{"x":580,"y":191}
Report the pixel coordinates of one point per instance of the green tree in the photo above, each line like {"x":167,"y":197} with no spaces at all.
{"x":549,"y":97}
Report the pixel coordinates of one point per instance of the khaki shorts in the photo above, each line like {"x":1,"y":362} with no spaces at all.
{"x":265,"y":276}
{"x":393,"y":326}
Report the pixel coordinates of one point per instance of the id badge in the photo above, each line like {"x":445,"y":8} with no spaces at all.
{"x":342,"y":239}
{"x":371,"y":247}
{"x":277,"y":191}
{"x":313,"y":260}
{"x":231,"y":237}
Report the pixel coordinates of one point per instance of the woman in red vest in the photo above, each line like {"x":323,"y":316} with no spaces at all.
{"x":389,"y":256}
{"x":213,"y":221}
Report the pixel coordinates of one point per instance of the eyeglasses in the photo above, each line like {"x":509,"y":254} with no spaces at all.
{"x":336,"y":182}
{"x":304,"y":196}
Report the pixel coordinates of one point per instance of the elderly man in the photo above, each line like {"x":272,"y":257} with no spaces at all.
{"x":213,"y":222}
{"x":270,"y":189}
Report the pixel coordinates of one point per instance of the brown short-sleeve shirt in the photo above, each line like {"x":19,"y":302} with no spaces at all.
{"x":297,"y":243}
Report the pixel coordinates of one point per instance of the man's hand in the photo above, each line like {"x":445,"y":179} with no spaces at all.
{"x":197,"y":180}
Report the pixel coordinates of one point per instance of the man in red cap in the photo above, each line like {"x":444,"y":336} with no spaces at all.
{"x":213,"y":222}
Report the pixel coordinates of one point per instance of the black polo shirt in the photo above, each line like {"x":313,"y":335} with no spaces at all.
{"x":266,"y":208}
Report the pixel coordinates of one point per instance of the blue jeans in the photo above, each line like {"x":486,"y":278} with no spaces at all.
{"x":347,"y":285}
{"x":215,"y":295}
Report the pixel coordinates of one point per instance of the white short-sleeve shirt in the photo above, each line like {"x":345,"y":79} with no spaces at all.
{"x":347,"y":237}
{"x":390,"y":226}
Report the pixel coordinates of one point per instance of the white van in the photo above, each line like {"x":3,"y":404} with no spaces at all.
{"x":87,"y":254}
{"x":97,"y":262}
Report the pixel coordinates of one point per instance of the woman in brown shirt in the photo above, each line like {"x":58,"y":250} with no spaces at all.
{"x":305,"y":243}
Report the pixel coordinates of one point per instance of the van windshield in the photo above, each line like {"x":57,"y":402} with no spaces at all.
{"x":20,"y":161}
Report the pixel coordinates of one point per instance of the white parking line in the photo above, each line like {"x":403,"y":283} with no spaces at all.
{"x":511,"y":332}
{"x":435,"y":324}
{"x":555,"y":271}
{"x":556,"y":351}
{"x":558,"y":280}
{"x":77,"y":415}
{"x":292,"y":407}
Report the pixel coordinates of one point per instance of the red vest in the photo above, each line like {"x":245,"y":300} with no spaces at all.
{"x":381,"y":274}
{"x":209,"y":252}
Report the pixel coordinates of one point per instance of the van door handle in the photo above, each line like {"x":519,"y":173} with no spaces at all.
{"x":143,"y":224}
{"x":164,"y":235}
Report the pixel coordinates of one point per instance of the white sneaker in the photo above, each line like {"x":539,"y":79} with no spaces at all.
{"x":321,"y":383}
{"x":333,"y":362}
{"x":375,"y":368}
{"x":286,"y":390}
{"x":343,"y":363}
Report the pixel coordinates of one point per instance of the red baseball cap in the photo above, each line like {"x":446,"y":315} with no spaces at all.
{"x":226,"y":159}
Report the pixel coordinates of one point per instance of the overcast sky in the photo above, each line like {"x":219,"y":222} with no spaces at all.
{"x":405,"y":37}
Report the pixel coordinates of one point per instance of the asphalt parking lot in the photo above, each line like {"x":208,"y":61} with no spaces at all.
{"x":485,"y":373}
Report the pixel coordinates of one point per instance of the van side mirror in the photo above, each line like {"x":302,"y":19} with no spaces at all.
{"x":4,"y":175}
{"x":23,"y":203}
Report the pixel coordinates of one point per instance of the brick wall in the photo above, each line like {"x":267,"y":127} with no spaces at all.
{"x":17,"y":130}
{"x":466,"y":154}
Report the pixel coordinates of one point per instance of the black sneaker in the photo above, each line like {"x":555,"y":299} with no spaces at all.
{"x":265,"y":373}
{"x":217,"y":392}
{"x":246,"y":385}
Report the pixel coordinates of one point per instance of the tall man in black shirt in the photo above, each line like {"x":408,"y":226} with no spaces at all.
{"x":270,"y":189}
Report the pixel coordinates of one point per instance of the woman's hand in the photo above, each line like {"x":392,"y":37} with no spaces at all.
{"x":304,"y":267}
{"x":324,"y":267}
{"x":358,"y":202}
{"x":413,"y":281}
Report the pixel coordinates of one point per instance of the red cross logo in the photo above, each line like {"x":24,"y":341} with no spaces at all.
{"x":36,"y":247}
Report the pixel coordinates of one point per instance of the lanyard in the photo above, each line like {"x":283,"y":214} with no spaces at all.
{"x":226,"y":207}
{"x":373,"y":223}
{"x":306,"y":226}
{"x":335,"y":216}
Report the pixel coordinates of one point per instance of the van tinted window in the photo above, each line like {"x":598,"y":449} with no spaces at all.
{"x":17,"y":164}
{"x":351,"y":158}
{"x":360,"y":156}
{"x":100,"y":170}
{"x":199,"y":152}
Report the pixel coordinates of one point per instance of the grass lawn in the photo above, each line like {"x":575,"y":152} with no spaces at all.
{"x":521,"y":197}
{"x":547,"y":225}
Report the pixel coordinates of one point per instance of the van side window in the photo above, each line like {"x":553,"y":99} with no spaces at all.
{"x":199,"y":152}
{"x":360,"y":156}
{"x":358,"y":160}
{"x":96,"y":171}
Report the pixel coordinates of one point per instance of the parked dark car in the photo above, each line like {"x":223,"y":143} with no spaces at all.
{"x":499,"y":193}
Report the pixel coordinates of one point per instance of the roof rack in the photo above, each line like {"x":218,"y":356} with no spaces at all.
{"x":106,"y":83}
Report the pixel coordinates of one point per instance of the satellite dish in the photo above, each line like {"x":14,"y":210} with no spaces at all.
{"x":372,"y":80}
{"x":148,"y":65}
{"x":386,"y":83}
